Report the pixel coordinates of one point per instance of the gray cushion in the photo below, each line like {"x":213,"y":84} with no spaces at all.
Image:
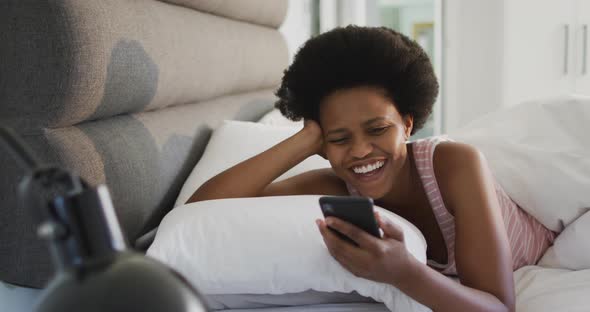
{"x":143,"y":158}
{"x":270,"y":13}
{"x":122,"y":92}
{"x":64,"y":62}
{"x":260,"y":301}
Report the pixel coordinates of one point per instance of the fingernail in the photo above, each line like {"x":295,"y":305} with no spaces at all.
{"x":317,"y":222}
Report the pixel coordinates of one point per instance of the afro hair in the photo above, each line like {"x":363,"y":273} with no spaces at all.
{"x":359,"y":56}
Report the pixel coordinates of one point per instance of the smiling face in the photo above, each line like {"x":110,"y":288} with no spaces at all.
{"x":365,"y":138}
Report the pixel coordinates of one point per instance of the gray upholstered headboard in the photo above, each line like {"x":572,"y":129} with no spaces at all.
{"x":126,"y":92}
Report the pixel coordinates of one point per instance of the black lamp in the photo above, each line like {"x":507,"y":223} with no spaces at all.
{"x":94,"y":269}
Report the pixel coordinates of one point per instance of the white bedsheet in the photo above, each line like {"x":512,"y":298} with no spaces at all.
{"x":336,"y":307}
{"x":538,"y":289}
{"x":542,"y":289}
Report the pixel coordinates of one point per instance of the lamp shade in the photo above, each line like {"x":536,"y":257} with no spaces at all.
{"x":127,"y":282}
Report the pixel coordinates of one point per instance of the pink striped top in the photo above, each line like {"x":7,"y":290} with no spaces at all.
{"x":528,"y":238}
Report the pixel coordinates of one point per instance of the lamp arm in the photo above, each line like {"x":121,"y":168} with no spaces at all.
{"x":18,"y":149}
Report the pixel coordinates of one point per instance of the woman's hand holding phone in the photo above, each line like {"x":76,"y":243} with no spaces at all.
{"x":384,"y":260}
{"x":353,"y":209}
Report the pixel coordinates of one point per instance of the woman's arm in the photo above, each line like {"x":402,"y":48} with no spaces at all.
{"x":482,"y":252}
{"x":252,"y":177}
{"x":441,"y":293}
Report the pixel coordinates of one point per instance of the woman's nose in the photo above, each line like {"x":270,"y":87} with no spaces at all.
{"x":360,"y":148}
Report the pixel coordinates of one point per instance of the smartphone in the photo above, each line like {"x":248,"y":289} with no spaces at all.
{"x":352,"y":209}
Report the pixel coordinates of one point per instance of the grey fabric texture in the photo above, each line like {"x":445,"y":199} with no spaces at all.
{"x":143,"y":158}
{"x":270,"y":13}
{"x":87,"y":60}
{"x":331,"y":307}
{"x":259,"y":301}
{"x":121,"y":92}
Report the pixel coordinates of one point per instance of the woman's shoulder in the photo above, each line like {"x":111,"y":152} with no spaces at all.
{"x":456,"y":164}
{"x":449,"y":156}
{"x":443,"y":156}
{"x":445,"y":150}
{"x":452,"y":155}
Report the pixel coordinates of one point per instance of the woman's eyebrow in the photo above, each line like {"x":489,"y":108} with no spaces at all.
{"x":339,"y":130}
{"x":366,"y":123}
{"x":372,"y":120}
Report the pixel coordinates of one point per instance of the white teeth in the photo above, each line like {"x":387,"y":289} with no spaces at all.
{"x":369,"y":168}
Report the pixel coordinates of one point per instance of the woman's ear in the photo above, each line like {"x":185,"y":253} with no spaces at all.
{"x":409,"y":125}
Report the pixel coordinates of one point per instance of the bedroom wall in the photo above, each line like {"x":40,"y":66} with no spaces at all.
{"x":502,"y":53}
{"x":472,"y":55}
{"x":297,"y":25}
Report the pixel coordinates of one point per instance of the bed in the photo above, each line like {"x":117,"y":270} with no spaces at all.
{"x":128,"y":94}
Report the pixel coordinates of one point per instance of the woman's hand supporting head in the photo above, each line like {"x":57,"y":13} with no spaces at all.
{"x":313,"y":132}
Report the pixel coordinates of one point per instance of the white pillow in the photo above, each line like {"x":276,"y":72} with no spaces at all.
{"x":275,"y":118}
{"x":571,"y":249}
{"x":235,"y":141}
{"x":267,"y":245}
{"x":540,"y":153}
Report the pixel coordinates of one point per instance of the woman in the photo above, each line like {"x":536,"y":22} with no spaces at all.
{"x":362,"y":92}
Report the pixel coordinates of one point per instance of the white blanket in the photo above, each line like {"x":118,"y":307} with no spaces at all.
{"x":539,"y":152}
{"x":549,"y":290}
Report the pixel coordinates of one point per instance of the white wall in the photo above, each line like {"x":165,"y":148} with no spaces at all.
{"x":415,"y":14}
{"x":472,"y":49}
{"x":352,"y":12}
{"x":297,"y":25}
{"x":535,"y":54}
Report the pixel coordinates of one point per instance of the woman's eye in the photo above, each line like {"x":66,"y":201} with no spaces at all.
{"x":378,"y":130}
{"x":337,"y":141}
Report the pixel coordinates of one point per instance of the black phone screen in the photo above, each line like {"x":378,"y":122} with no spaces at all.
{"x":352,"y":209}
